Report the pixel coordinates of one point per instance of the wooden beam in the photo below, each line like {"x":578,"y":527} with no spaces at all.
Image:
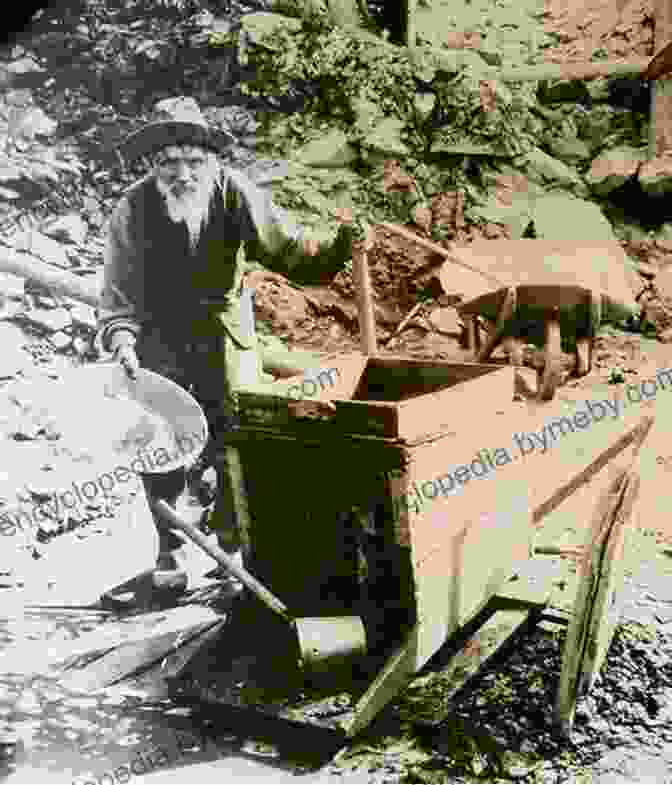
{"x":58,"y":281}
{"x":364,"y":295}
{"x":634,"y":436}
{"x":410,"y":7}
{"x":660,"y":128}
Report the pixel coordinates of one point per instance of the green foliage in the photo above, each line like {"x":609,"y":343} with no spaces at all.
{"x":509,"y":124}
{"x":354,"y":82}
{"x":343,"y":67}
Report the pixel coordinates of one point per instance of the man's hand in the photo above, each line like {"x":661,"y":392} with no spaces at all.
{"x":122,"y":344}
{"x":128,"y":359}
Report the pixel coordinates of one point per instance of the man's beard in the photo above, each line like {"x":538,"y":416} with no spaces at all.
{"x":192,"y":207}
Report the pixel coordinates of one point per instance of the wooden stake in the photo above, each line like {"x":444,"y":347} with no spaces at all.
{"x":362,"y":281}
{"x":660,"y":128}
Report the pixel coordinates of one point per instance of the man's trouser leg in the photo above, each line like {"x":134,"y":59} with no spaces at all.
{"x":159,"y":355}
{"x":229,"y":518}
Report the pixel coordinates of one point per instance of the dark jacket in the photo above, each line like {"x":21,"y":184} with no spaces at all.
{"x":152,"y":277}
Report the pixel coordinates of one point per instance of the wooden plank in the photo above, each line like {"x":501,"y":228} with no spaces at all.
{"x":475,"y":653}
{"x":660,"y":127}
{"x":399,"y":668}
{"x":131,"y":658}
{"x":577,"y":632}
{"x":591,"y":630}
{"x":608,"y":604}
{"x":634,"y":436}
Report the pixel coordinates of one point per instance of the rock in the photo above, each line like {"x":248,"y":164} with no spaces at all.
{"x":80,"y":346}
{"x":655,"y":176}
{"x":84,"y":315}
{"x":446,"y":320}
{"x":613,"y":168}
{"x":12,"y":285}
{"x":665,"y":336}
{"x":67,"y":228}
{"x":34,"y":122}
{"x":572,"y":151}
{"x":12,"y":356}
{"x":664,"y":234}
{"x":424,"y":106}
{"x":42,"y":247}
{"x":544,"y":168}
{"x":255,"y":26}
{"x":513,"y":765}
{"x":663,"y":282}
{"x":24,"y":65}
{"x":385,"y":138}
{"x":52,"y":320}
{"x":645,"y":269}
{"x":60,"y":340}
{"x":515,"y":216}
{"x":422,"y":217}
{"x":553,"y":214}
{"x":331,"y":150}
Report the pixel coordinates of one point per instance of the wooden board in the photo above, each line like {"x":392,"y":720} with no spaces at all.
{"x":133,"y":657}
{"x":577,"y":632}
{"x":599,"y":599}
{"x":475,"y":653}
{"x":396,"y":398}
{"x":609,"y":598}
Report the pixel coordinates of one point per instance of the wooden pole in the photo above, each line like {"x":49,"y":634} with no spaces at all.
{"x":660,"y":128}
{"x":58,"y":281}
{"x":410,"y":7}
{"x":362,"y":281}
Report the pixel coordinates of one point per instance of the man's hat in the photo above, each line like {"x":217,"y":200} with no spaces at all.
{"x":175,"y":121}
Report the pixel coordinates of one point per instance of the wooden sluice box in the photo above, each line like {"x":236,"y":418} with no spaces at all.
{"x":386,"y":494}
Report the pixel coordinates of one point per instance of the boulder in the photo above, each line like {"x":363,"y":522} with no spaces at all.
{"x":331,"y":150}
{"x":543,"y":168}
{"x":50,"y":320}
{"x":663,"y":282}
{"x":571,"y":151}
{"x":446,"y":321}
{"x":68,"y":228}
{"x":613,"y":168}
{"x":655,"y":176}
{"x":41,"y":246}
{"x":385,"y":138}
{"x":84,"y":315}
{"x":561,"y":217}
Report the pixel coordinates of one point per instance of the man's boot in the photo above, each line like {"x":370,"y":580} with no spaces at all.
{"x":168,"y":575}
{"x":227,"y":517}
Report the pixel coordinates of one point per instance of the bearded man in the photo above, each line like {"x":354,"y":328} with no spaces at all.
{"x":174,"y":266}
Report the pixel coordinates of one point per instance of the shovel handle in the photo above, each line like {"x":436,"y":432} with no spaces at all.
{"x":168,"y":514}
